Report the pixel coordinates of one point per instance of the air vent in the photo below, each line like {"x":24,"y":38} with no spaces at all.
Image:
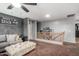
{"x":70,"y":15}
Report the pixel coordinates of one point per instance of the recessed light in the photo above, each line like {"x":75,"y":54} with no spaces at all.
{"x":47,"y":15}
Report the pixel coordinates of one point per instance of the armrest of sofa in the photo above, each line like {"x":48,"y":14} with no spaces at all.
{"x":3,"y":44}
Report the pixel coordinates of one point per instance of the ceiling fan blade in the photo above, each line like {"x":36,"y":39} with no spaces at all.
{"x":24,"y":8}
{"x":30,"y":3}
{"x":10,"y":6}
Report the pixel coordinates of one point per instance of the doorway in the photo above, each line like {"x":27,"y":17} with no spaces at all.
{"x":77,"y":32}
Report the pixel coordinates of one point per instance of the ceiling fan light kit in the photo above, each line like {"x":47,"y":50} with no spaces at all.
{"x":17,"y":5}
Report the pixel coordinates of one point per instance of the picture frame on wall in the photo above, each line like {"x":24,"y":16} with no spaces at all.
{"x":8,"y":21}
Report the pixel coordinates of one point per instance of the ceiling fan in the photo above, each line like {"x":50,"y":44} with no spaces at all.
{"x":22,"y":6}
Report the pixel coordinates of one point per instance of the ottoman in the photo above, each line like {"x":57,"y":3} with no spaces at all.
{"x":20,"y":49}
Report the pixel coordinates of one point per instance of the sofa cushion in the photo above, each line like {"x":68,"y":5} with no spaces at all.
{"x":11,"y":37}
{"x":2,"y":38}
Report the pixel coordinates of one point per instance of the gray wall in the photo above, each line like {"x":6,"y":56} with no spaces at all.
{"x":38,"y":26}
{"x":66,"y":25}
{"x":34,"y":29}
{"x":10,"y":28}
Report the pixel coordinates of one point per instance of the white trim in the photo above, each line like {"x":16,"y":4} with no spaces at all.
{"x":47,"y":41}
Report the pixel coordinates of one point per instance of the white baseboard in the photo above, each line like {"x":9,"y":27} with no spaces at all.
{"x":47,"y":41}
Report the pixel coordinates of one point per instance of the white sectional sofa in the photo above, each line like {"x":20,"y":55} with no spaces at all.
{"x":20,"y":49}
{"x":6,"y":40}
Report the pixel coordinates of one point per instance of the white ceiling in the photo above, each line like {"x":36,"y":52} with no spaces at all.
{"x":56,"y":10}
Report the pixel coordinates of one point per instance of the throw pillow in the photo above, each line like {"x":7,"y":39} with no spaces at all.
{"x":17,"y":38}
{"x":11,"y":37}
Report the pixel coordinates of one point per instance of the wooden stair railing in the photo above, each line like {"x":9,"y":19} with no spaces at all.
{"x":59,"y":37}
{"x":51,"y":36}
